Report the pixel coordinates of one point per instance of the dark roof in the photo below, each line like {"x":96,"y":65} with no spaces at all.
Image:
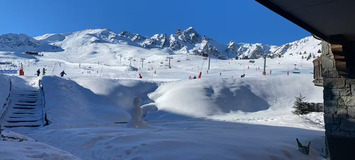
{"x":323,"y":18}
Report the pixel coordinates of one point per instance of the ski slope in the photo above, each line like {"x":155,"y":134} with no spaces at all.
{"x":219,"y":116}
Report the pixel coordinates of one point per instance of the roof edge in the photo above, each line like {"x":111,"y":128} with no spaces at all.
{"x":273,"y":7}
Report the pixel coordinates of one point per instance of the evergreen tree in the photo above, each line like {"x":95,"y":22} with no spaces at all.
{"x":299,"y":106}
{"x":309,"y":57}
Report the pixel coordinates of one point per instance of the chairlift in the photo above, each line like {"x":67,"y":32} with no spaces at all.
{"x":296,"y":71}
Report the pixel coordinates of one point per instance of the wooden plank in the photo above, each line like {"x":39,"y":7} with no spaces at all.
{"x":339,"y":57}
{"x":336,"y":47}
{"x":341,"y":66}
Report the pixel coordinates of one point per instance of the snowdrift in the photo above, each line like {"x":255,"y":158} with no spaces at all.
{"x":209,"y":97}
{"x":103,"y":101}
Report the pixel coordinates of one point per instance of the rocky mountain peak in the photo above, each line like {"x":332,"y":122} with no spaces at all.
{"x":17,"y":40}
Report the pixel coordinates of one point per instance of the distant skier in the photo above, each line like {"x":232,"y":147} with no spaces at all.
{"x":44,"y":71}
{"x":242,"y":76}
{"x":220,"y":73}
{"x":194,"y":77}
{"x":62,"y":73}
{"x":38,"y":72}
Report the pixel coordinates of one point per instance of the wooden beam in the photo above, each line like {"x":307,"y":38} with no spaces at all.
{"x":339,"y":58}
{"x":341,"y":66}
{"x":337,"y":48}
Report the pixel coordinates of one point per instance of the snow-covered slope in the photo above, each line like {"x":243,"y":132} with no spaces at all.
{"x":306,"y":47}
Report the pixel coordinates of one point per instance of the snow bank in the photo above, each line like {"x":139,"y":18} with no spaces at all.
{"x":103,"y":101}
{"x":69,"y":104}
{"x":119,"y":91}
{"x":4,"y":92}
{"x":211,"y":97}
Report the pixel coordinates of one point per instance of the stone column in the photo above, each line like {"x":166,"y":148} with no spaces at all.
{"x":339,"y":108}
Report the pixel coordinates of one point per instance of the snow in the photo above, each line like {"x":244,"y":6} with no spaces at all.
{"x":137,"y":112}
{"x":220,"y":116}
{"x":17,"y":146}
{"x":4,"y":92}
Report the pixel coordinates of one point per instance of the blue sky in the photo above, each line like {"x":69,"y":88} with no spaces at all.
{"x":222,"y":20}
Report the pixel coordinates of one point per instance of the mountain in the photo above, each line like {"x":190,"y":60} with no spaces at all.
{"x":15,"y":41}
{"x":191,"y":42}
{"x":22,"y":42}
{"x":187,"y":41}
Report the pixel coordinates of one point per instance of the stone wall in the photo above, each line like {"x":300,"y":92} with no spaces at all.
{"x":339,"y":97}
{"x":314,"y":107}
{"x":339,"y":108}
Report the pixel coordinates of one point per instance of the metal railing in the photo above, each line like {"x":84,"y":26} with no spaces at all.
{"x":45,"y":120}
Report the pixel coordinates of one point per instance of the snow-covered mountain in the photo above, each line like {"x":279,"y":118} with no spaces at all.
{"x":22,"y":42}
{"x":187,"y":41}
{"x":191,"y":42}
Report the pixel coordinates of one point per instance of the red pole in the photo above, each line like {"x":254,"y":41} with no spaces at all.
{"x":199,"y":76}
{"x":287,"y":73}
{"x":270,"y":71}
{"x":140,"y":76}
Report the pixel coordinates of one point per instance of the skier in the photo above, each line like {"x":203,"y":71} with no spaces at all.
{"x":62,"y":73}
{"x":194,"y":77}
{"x":243,"y":75}
{"x":220,"y":73}
{"x":38,"y":72}
{"x":44,"y":71}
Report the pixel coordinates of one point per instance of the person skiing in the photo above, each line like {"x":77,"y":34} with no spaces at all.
{"x":220,"y":73}
{"x":44,"y":71}
{"x":62,"y":73}
{"x":38,"y":72}
{"x":194,"y":77}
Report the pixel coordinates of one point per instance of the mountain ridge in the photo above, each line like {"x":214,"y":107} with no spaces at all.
{"x":187,"y":41}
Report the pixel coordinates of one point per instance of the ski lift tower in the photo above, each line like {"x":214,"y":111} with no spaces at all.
{"x":142,"y":60}
{"x":264,"y":73}
{"x":130,"y":60}
{"x":169,"y":60}
{"x":209,"y":61}
{"x":120,"y":58}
